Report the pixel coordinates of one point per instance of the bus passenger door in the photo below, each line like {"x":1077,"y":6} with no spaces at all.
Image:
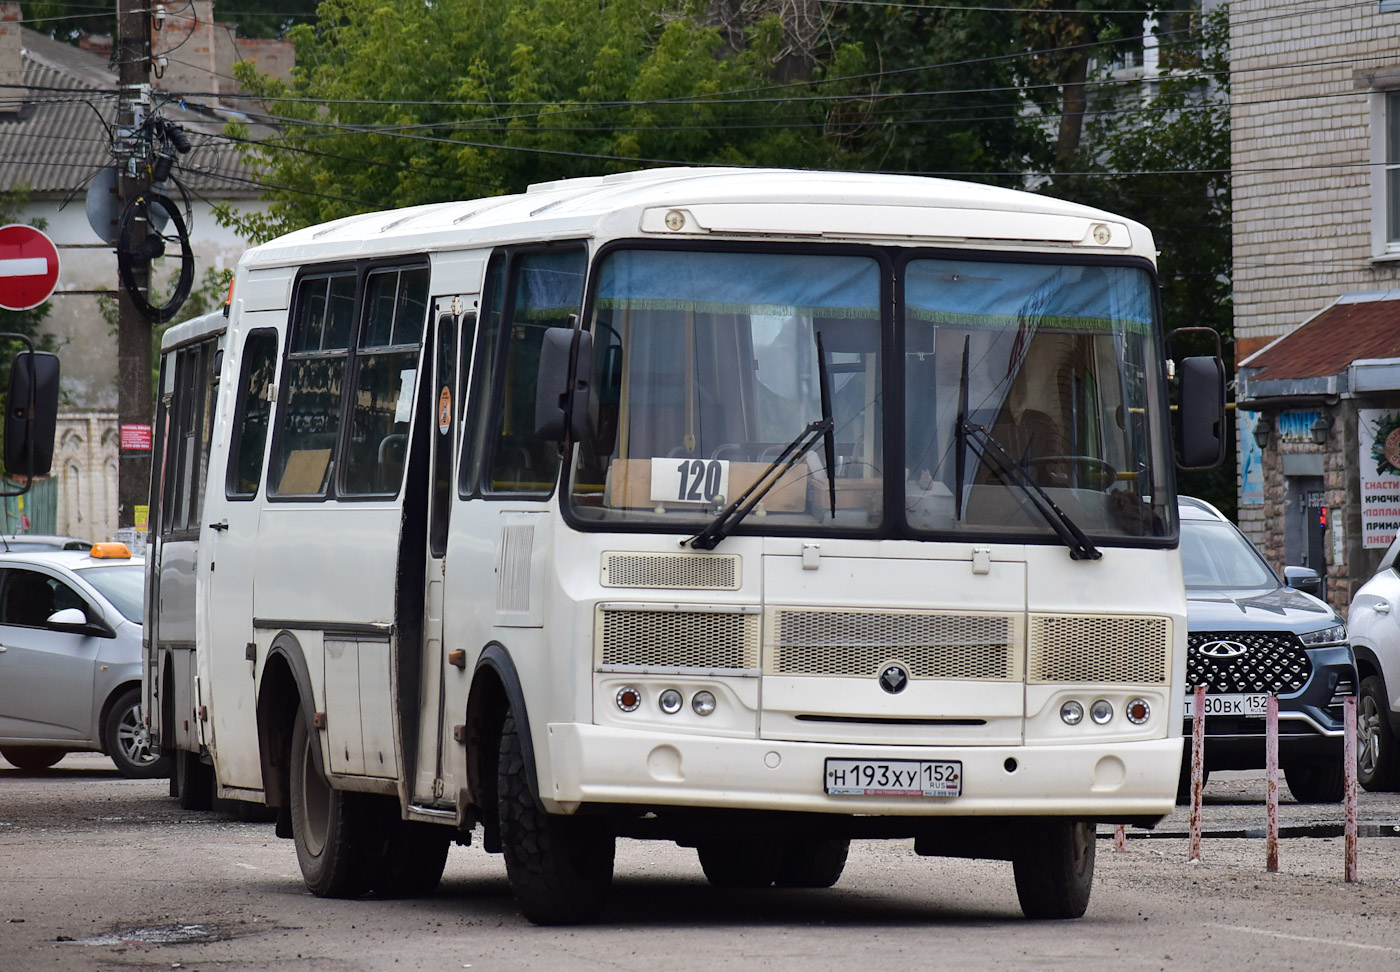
{"x":228,"y":540}
{"x":433,"y":781}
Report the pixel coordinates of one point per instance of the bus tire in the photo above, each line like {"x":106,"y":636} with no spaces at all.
{"x":1054,"y":868}
{"x":330,"y":827}
{"x":812,"y":863}
{"x":560,"y":868}
{"x":410,"y":863}
{"x":194,"y":781}
{"x":740,"y":863}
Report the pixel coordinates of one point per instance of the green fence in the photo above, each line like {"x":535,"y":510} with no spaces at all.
{"x":40,"y":504}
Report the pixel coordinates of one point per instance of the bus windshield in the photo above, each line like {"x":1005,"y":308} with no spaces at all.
{"x":706,"y":367}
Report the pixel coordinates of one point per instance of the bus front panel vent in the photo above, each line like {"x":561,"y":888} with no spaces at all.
{"x":672,"y":571}
{"x":676,"y":637}
{"x":1105,"y":648}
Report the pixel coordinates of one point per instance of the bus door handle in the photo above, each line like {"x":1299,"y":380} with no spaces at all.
{"x":1382,"y":607}
{"x":221,"y":525}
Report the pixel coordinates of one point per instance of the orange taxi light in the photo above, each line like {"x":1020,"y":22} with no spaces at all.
{"x":110,"y":550}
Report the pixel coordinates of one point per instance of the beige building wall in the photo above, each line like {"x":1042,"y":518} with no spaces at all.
{"x":85,"y":465}
{"x":1307,"y":82}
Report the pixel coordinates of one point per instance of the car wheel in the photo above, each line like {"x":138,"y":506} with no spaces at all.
{"x":1377,"y":760}
{"x":560,"y":868}
{"x":32,"y":757}
{"x":331,"y":828}
{"x":1316,"y":782}
{"x":1054,"y":869}
{"x":813,"y":863}
{"x":129,"y":741}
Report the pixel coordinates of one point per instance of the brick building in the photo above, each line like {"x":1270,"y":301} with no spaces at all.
{"x":1315,"y":142}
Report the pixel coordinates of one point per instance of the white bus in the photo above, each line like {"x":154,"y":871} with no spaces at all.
{"x":751,"y":510}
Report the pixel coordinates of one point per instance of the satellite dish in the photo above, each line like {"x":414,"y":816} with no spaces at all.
{"x":104,"y":207}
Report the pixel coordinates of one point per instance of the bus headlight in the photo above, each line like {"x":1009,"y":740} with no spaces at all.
{"x":703,"y":703}
{"x":628,"y":698}
{"x":670,"y":701}
{"x":1139,"y":711}
{"x":1072,"y":713}
{"x":1101,"y":711}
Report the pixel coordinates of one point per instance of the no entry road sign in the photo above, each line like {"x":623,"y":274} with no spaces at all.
{"x":28,"y":267}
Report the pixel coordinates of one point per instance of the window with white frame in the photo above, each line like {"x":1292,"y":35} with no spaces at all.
{"x":1385,"y":173}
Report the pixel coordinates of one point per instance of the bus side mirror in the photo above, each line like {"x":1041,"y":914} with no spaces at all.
{"x":1200,"y":440}
{"x":31,"y":414}
{"x":566,"y":362}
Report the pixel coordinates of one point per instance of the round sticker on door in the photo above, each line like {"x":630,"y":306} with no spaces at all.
{"x":445,"y":410}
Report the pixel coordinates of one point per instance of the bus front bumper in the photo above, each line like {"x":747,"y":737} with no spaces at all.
{"x":1105,"y":781}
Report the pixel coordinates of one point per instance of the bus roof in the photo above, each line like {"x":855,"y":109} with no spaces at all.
{"x":722,"y":202}
{"x":193,"y":329}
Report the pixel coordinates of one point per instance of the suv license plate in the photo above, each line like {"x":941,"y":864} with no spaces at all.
{"x":894,"y":777}
{"x":1229,"y":705}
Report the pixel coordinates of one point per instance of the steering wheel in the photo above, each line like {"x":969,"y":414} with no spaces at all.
{"x":1064,"y":471}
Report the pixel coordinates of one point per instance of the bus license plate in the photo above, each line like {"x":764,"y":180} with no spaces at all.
{"x":1229,"y":705}
{"x":894,"y":777}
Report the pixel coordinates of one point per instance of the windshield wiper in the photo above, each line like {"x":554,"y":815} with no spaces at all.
{"x":824,"y":429}
{"x":992,"y":452}
{"x":1080,"y":547}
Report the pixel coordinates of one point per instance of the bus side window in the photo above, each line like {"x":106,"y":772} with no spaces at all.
{"x":476,"y":403}
{"x":245,"y":457}
{"x":386,"y":368}
{"x":308,"y":425}
{"x":189,"y":426}
{"x":546,"y":287}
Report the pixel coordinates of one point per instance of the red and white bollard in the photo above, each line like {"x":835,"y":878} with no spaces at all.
{"x":1271,"y":782}
{"x":1349,"y":776}
{"x":1198,"y":762}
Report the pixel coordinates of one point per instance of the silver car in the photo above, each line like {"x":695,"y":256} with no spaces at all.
{"x":70,"y":658}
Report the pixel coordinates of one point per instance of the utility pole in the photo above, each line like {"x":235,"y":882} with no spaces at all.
{"x":135,"y":405}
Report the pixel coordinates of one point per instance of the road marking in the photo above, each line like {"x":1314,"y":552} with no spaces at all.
{"x":1303,"y":938}
{"x":248,"y":866}
{"x":24,"y":267}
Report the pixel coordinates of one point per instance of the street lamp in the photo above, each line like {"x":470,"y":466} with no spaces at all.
{"x":1263,"y":428}
{"x":1321,"y":429}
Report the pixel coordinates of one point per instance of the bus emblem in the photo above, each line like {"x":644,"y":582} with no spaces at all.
{"x":893,"y":679}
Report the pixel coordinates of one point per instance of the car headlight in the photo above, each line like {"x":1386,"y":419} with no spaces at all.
{"x":1335,"y":635}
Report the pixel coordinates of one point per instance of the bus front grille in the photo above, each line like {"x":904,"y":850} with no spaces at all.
{"x":930,"y":645}
{"x":674,"y":636}
{"x":1099,"y":648}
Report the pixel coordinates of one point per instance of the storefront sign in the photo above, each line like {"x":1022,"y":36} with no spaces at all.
{"x":1378,"y":431}
{"x":136,"y":438}
{"x":1297,"y":426}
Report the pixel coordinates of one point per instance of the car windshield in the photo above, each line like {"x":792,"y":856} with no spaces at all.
{"x":121,"y":584}
{"x":705,"y":366}
{"x":1216,"y":555}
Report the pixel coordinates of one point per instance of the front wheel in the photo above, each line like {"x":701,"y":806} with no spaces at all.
{"x":331,"y":828}
{"x":813,"y":863}
{"x":1054,"y":868}
{"x":740,"y":863}
{"x":129,"y":741}
{"x":1316,"y":782}
{"x":32,"y":757}
{"x":560,"y":868}
{"x":1377,"y":758}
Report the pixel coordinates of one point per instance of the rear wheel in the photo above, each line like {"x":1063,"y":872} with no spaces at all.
{"x":32,"y":757}
{"x":1054,"y":868}
{"x":331,"y":828}
{"x":194,"y":781}
{"x":1377,"y":758}
{"x":1316,"y":782}
{"x":560,"y":867}
{"x":410,"y":862}
{"x":812,"y":863}
{"x":741,"y":863}
{"x":129,"y":741}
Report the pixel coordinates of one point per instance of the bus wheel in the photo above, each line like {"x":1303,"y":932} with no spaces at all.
{"x":1054,"y":868}
{"x":330,"y":827}
{"x":194,"y":781}
{"x":740,"y":863}
{"x":411,"y":861}
{"x":812,"y":863}
{"x":32,"y":757}
{"x":560,"y":868}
